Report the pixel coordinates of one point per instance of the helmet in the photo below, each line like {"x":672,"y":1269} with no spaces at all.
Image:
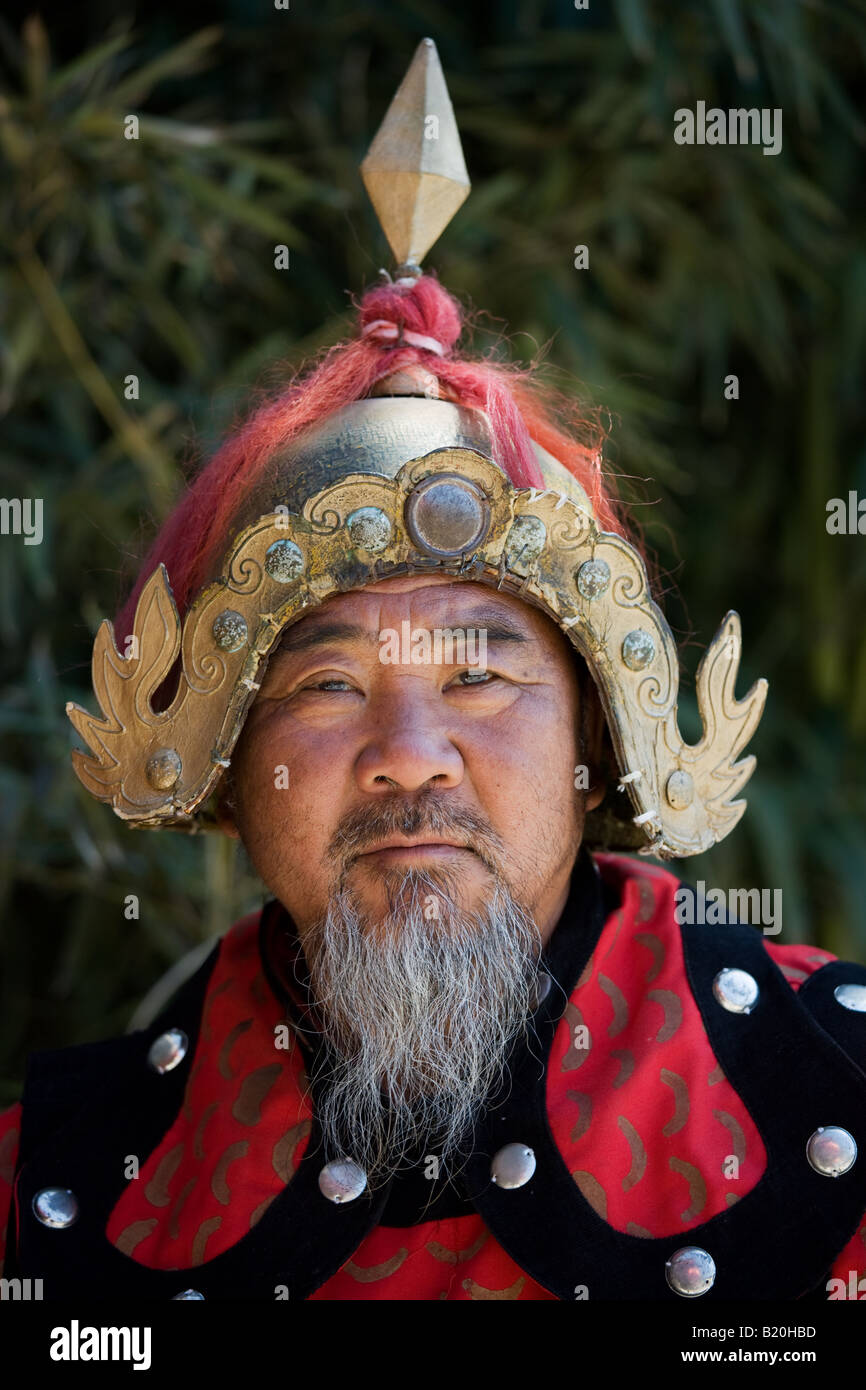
{"x":396,"y":455}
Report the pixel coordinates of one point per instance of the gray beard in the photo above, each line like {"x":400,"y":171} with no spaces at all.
{"x":419,"y":1013}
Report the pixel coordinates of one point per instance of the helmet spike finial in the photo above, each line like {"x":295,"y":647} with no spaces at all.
{"x":414,"y":171}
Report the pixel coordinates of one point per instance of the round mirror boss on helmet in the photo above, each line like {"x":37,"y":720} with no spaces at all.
{"x":396,"y":455}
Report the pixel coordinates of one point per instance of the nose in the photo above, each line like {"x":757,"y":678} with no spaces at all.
{"x":408,"y":751}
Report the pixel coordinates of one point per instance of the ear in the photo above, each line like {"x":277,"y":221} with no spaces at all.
{"x":592,"y":728}
{"x":225,"y":809}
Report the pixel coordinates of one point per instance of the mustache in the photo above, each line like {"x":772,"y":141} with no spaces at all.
{"x":402,"y":815}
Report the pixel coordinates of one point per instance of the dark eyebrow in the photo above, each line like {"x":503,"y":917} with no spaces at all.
{"x":300,"y":637}
{"x":498,"y":628}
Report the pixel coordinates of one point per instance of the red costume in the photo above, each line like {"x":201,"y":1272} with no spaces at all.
{"x":644,"y":1142}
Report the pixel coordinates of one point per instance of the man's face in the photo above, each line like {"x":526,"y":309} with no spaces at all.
{"x":419,"y":822}
{"x":352,"y":770}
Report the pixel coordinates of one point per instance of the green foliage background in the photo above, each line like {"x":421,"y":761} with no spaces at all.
{"x":155,"y":257}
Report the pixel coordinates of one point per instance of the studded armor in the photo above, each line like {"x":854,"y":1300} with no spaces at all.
{"x":644,"y":1145}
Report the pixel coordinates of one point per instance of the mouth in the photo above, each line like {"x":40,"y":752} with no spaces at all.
{"x":405,"y":850}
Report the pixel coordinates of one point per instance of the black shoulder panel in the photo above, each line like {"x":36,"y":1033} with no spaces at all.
{"x":58,"y":1081}
{"x":846,"y":1026}
{"x":85,"y":1109}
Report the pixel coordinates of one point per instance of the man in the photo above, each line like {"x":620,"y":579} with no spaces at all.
{"x":457,"y":1055}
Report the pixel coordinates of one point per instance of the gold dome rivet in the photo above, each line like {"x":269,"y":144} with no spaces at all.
{"x":638,"y":649}
{"x":593,"y":578}
{"x":163,"y":769}
{"x":369,"y":528}
{"x":680,"y":790}
{"x":284,"y":561}
{"x":230,"y":630}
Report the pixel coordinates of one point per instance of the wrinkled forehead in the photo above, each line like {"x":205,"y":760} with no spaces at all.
{"x":433,"y":601}
{"x":459,"y":616}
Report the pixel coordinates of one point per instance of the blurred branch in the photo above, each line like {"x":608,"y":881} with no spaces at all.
{"x":156,"y":468}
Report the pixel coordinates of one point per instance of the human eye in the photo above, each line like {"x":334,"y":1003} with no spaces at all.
{"x":310,"y":687}
{"x":470,"y":678}
{"x":329,"y":684}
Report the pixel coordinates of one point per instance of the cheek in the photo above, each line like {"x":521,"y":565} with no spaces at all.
{"x":289,"y":786}
{"x":523,"y":772}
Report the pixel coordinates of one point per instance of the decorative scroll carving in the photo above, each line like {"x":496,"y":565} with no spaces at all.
{"x":157,"y":768}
